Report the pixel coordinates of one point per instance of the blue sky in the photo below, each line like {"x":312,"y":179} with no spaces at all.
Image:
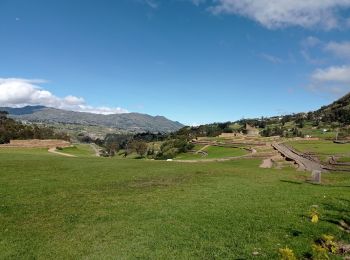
{"x":193,"y":61}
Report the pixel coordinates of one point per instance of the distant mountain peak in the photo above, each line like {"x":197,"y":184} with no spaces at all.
{"x":22,"y":110}
{"x":127,"y":121}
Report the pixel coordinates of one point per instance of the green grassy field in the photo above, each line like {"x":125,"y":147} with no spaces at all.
{"x":100,"y":208}
{"x":318,"y":133}
{"x":79,"y":150}
{"x":322,"y":148}
{"x":344,"y":159}
{"x":214,"y":152}
{"x":222,"y":152}
{"x":190,"y":156}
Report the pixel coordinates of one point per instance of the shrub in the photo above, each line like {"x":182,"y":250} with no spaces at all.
{"x":314,"y":215}
{"x":287,"y":254}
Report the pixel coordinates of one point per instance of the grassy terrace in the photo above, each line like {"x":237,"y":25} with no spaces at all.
{"x":344,"y":159}
{"x":57,"y":207}
{"x":322,"y":148}
{"x":214,"y":152}
{"x":222,"y":152}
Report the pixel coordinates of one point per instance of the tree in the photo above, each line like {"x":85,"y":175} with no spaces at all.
{"x":140,"y":147}
{"x":11,"y":130}
{"x":112,"y":148}
{"x":300,"y":122}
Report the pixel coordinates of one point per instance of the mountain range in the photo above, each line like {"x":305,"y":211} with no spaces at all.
{"x":131,"y":122}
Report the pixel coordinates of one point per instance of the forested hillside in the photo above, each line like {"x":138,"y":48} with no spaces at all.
{"x":12,"y":130}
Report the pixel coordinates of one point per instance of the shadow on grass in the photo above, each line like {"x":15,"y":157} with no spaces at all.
{"x":338,"y":186}
{"x":294,"y":232}
{"x":292,"y":182}
{"x":338,"y":212}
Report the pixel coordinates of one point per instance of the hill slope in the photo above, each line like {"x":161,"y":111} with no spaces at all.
{"x":134,"y":122}
{"x":338,"y":111}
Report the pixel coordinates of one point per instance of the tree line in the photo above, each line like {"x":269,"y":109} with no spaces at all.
{"x":12,"y":130}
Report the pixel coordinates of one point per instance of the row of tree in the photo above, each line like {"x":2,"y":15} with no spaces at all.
{"x":150,"y":145}
{"x":282,"y":131}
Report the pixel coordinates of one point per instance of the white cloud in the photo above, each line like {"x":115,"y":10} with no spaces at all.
{"x":307,"y":56}
{"x":151,"y":3}
{"x":310,"y":42}
{"x":339,"y":49}
{"x":334,"y":80}
{"x":271,"y":58}
{"x":339,"y":74}
{"x":17,"y":92}
{"x":283,"y":13}
{"x":198,"y":2}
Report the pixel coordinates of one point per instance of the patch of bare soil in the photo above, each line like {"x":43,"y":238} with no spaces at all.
{"x":275,"y":161}
{"x":344,"y":226}
{"x":267,"y":163}
{"x":344,"y":249}
{"x":54,"y":151}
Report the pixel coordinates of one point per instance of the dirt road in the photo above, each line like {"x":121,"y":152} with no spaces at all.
{"x":54,"y":151}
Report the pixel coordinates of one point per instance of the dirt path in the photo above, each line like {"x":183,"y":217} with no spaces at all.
{"x":96,"y":150}
{"x":54,"y":151}
{"x":304,"y":163}
{"x":203,"y":148}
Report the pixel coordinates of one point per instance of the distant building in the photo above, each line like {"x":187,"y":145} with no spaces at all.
{"x":251,"y":131}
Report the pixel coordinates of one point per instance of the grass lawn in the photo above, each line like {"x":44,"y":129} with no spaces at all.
{"x":322,"y":148}
{"x":79,"y":150}
{"x":56,"y":207}
{"x":198,"y":147}
{"x":214,"y":152}
{"x":222,"y":152}
{"x":318,"y":133}
{"x":344,"y":159}
{"x":120,"y":155}
{"x":189,"y":156}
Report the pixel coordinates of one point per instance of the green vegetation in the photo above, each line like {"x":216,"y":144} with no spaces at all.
{"x":172,"y":147}
{"x":324,"y":123}
{"x":64,"y":119}
{"x":323,"y":149}
{"x":190,"y":156}
{"x":319,"y":133}
{"x":338,"y":111}
{"x":99,"y":208}
{"x":57,"y":207}
{"x":79,"y":150}
{"x":213,"y":152}
{"x":344,"y":159}
{"x":11,"y":129}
